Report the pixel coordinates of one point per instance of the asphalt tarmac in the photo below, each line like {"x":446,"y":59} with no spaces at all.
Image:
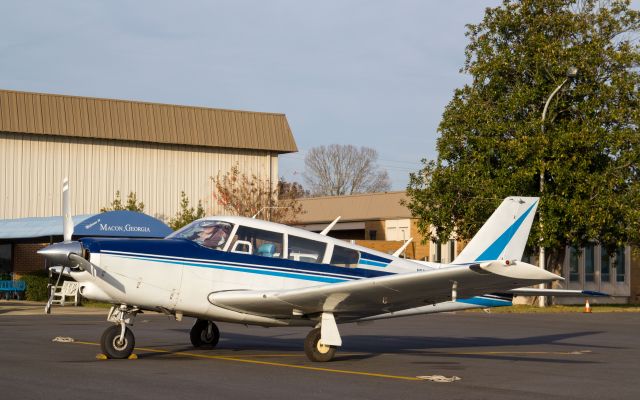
{"x":496,"y":356}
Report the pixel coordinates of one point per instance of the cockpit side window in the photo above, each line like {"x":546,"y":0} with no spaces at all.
{"x":301,"y":249}
{"x":258,"y":242}
{"x":345,"y":257}
{"x":211,"y":234}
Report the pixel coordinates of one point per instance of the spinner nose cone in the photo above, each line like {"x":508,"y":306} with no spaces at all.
{"x":58,"y":253}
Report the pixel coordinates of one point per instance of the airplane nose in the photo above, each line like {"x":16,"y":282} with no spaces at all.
{"x":62,"y":253}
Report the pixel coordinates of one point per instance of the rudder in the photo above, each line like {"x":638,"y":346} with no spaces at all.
{"x":504,"y":235}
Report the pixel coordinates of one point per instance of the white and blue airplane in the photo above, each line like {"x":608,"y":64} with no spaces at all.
{"x":250,"y":271}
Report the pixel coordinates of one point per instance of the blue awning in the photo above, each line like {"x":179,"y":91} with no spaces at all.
{"x":110,"y":223}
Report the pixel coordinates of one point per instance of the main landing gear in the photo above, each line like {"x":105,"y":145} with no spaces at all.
{"x":117,"y":340}
{"x":204,"y":333}
{"x":316,"y":350}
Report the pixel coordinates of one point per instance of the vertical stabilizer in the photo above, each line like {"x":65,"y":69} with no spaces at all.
{"x":504,"y":235}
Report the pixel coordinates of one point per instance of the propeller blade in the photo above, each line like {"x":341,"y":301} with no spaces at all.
{"x":66,"y":212}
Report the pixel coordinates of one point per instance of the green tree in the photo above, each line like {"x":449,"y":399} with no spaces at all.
{"x":186,"y":214}
{"x":132,"y":203}
{"x":492,"y":143}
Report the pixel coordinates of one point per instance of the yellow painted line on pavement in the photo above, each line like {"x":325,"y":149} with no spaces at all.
{"x":560,"y":353}
{"x":269,"y":363}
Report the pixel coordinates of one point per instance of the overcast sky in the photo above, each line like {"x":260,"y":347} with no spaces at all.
{"x":371,"y":73}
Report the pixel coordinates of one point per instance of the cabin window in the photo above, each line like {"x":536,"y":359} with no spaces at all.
{"x":208,"y":233}
{"x":301,"y":249}
{"x":257,"y":242}
{"x":344,"y":257}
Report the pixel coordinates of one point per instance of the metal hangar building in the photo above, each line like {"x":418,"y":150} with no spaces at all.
{"x":104,"y":146}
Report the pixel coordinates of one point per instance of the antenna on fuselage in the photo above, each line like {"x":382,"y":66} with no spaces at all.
{"x":326,"y":230}
{"x":401,"y":249}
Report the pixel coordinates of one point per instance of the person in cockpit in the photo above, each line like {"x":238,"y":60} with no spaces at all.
{"x":214,"y":236}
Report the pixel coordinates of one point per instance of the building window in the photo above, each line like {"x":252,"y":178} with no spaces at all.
{"x":397,"y":229}
{"x":528,"y":255}
{"x":574,"y":265}
{"x":452,"y":250}
{"x":437,"y":257}
{"x":589,"y":263}
{"x":373,"y":235}
{"x":605,"y":265}
{"x":620,"y":263}
{"x":5,"y":261}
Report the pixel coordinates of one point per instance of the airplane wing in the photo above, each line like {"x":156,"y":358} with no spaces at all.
{"x":373,"y":296}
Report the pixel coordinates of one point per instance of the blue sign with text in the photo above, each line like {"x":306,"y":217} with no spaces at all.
{"x":122,"y":224}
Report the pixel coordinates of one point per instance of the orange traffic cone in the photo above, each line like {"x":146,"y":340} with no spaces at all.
{"x":587,"y":307}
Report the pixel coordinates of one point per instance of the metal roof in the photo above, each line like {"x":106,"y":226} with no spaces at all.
{"x":86,"y":117}
{"x":360,"y":207}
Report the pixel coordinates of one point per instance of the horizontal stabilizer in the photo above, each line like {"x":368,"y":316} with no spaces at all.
{"x":556,"y":292}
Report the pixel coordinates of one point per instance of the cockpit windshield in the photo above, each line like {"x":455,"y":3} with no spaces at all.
{"x":212,"y":234}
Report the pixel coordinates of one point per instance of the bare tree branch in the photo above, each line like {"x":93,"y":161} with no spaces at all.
{"x":337,"y":170}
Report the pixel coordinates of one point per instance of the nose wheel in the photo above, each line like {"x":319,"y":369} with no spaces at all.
{"x":117,"y":340}
{"x":316,"y":350}
{"x":204,"y":333}
{"x":116,"y":345}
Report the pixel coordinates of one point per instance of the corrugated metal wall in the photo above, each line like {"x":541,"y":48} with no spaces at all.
{"x":32,"y":168}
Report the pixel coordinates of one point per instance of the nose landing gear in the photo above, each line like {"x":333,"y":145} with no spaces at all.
{"x":116,"y":345}
{"x":117,"y":340}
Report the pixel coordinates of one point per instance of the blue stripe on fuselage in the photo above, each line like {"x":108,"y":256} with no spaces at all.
{"x":364,"y":261}
{"x":250,"y":270}
{"x":165,"y":249}
{"x":373,"y":257}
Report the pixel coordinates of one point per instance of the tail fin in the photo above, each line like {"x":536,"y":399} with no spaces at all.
{"x":504,"y":235}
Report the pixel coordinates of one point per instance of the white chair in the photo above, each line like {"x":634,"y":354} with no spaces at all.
{"x":68,"y":291}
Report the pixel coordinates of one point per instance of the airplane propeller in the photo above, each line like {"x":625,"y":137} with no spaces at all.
{"x":67,"y":221}
{"x":68,"y":254}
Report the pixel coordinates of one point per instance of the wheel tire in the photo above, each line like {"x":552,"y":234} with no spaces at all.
{"x":110,"y":346}
{"x":200,"y":336}
{"x":315,"y":351}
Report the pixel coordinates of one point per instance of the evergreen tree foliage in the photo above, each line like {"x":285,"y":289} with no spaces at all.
{"x":492,"y":141}
{"x":186,"y":214}
{"x":132,"y":203}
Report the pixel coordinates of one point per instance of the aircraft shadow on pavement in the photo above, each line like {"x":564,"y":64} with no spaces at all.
{"x":368,"y":346}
